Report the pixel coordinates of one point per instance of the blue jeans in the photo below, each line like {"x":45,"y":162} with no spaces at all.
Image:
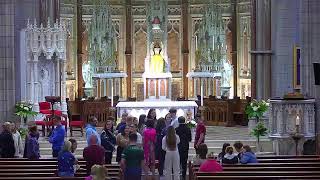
{"x":65,"y":174}
{"x":133,"y":173}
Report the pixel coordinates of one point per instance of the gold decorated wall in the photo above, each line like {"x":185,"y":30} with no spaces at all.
{"x":68,"y":14}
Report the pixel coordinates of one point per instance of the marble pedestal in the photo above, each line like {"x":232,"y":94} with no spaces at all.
{"x":282,"y":124}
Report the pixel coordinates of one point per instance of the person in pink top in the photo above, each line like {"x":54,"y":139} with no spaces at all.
{"x":210,"y":165}
{"x":149,"y":140}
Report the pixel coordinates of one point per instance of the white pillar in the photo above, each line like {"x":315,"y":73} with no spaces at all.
{"x":35,"y":84}
{"x":57,"y":78}
{"x":104,"y":87}
{"x":31,"y":98}
{"x":201,"y":91}
{"x":63,"y":88}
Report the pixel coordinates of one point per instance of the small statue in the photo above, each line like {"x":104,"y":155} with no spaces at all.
{"x":87,"y":74}
{"x":226,"y":74}
{"x":157,"y":62}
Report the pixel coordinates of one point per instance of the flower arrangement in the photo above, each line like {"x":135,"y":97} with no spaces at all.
{"x":23,"y":132}
{"x":192,"y":124}
{"x":24,"y":109}
{"x":256,"y":109}
{"x":258,"y":131}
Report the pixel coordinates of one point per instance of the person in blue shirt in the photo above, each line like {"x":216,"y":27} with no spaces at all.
{"x":57,"y":136}
{"x":66,"y":161}
{"x":248,"y":156}
{"x":91,"y":130}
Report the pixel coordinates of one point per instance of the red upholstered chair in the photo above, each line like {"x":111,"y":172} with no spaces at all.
{"x":45,"y":108}
{"x":76,"y":124}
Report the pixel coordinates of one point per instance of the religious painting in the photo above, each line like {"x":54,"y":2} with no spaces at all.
{"x":140,"y":44}
{"x":174,"y":49}
{"x":296,"y":67}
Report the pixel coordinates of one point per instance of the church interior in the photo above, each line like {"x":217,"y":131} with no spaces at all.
{"x":238,"y":65}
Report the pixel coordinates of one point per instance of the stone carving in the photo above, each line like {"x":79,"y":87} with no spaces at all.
{"x":87,"y":74}
{"x":227,"y":74}
{"x":43,"y":75}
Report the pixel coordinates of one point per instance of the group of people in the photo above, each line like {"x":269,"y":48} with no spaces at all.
{"x":138,"y":143}
{"x":209,"y":163}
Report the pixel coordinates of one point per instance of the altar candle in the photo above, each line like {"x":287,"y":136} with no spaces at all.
{"x":201,"y":92}
{"x":297,"y":121}
{"x":112,"y":95}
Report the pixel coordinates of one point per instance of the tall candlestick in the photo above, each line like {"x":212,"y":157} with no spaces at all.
{"x":112,"y":94}
{"x":201,"y":92}
{"x":297,"y":120}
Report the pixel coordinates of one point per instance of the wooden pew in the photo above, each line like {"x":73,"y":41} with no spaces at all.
{"x":256,"y":177}
{"x":34,"y":168}
{"x":271,"y":163}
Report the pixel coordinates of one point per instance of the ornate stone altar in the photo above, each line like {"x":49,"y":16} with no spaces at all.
{"x":283,"y":122}
{"x":43,"y":59}
{"x":157,"y":76}
{"x":213,"y":72}
{"x":162,"y":108}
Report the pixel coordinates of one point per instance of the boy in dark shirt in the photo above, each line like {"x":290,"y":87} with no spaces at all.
{"x":184,"y":133}
{"x":132,"y":160}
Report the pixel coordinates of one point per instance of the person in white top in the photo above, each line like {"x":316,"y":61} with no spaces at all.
{"x":172,"y":160}
{"x":134,"y":129}
{"x":174,"y":118}
{"x":17,"y":140}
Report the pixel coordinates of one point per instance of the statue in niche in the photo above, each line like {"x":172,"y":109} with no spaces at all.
{"x":157,"y":61}
{"x":45,"y":82}
{"x":226,"y":74}
{"x":86,"y":74}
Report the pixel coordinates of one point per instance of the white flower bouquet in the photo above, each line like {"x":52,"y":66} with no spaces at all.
{"x":192,"y":124}
{"x":24,"y":109}
{"x":256,"y":108}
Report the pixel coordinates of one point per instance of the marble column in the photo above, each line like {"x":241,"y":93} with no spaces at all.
{"x":185,"y":46}
{"x":262,"y":52}
{"x":310,"y":45}
{"x":128,"y":51}
{"x":80,"y":53}
{"x":234,"y":46}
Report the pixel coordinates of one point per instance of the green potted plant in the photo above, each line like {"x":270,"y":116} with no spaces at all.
{"x":259,"y":131}
{"x":24,"y":110}
{"x":255,"y":111}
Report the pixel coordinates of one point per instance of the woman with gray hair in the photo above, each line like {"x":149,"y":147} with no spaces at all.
{"x":66,"y":161}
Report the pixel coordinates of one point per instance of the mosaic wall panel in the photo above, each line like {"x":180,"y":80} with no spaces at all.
{"x":174,"y":50}
{"x":140,"y":44}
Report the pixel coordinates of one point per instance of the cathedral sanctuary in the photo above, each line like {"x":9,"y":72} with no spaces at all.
{"x":245,"y":71}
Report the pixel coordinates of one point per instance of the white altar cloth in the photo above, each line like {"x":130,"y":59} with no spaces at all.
{"x":162,"y":107}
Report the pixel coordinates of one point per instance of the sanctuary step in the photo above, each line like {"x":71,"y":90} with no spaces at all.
{"x":215,"y":137}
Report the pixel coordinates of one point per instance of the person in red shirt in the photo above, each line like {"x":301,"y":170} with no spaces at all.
{"x":93,"y":154}
{"x":200,"y":134}
{"x":210,"y":165}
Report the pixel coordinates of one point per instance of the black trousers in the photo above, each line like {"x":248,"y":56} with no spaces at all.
{"x":119,"y":152}
{"x":55,"y":153}
{"x":108,"y":157}
{"x":162,"y":156}
{"x":183,"y":163}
